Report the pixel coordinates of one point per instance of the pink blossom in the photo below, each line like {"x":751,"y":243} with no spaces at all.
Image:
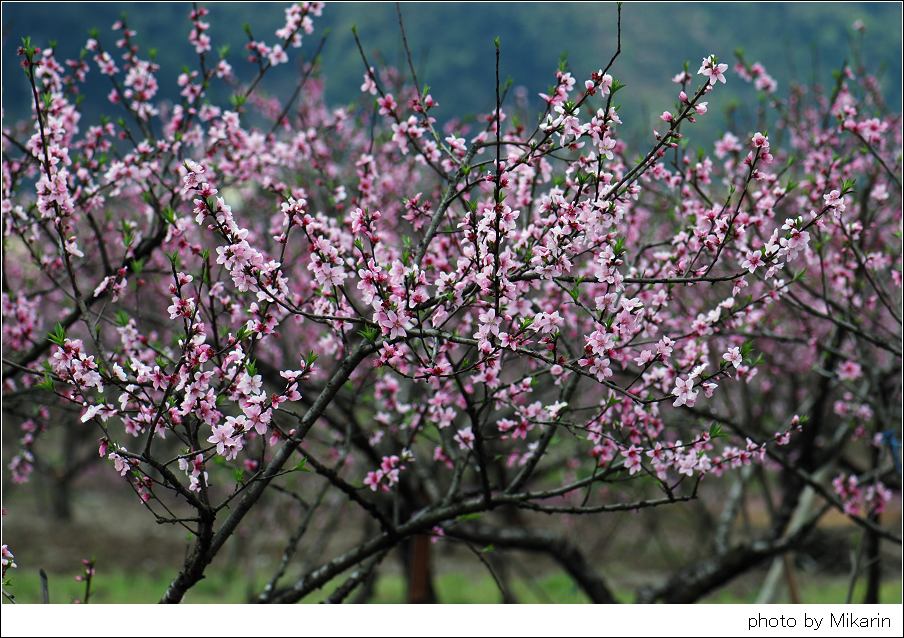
{"x":713,"y":70}
{"x":684,"y":392}
{"x":632,"y":459}
{"x":733,"y":356}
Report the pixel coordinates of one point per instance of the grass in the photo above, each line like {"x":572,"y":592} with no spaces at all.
{"x":117,"y":586}
{"x":135,"y":563}
{"x":818,"y":593}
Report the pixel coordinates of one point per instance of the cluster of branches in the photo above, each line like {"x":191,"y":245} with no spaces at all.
{"x":465,"y":331}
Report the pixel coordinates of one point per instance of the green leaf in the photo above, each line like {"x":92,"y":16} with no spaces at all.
{"x":47,"y":383}
{"x":128,"y":234}
{"x":473,"y":516}
{"x":746,"y":349}
{"x":57,"y":335}
{"x":370,"y":333}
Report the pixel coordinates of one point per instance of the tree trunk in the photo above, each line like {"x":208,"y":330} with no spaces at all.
{"x":416,"y":558}
{"x":873,"y":559}
{"x":60,"y":499}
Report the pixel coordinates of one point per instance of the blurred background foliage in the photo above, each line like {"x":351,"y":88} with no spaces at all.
{"x":452,"y":44}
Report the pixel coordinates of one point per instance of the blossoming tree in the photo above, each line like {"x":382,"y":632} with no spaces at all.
{"x":451,"y":326}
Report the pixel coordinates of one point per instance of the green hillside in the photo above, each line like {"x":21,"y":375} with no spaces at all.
{"x":452,"y":44}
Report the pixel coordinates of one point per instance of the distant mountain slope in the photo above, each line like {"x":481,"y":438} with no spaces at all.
{"x":452,"y":44}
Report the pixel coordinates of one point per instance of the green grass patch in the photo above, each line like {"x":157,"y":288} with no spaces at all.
{"x":118,"y":586}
